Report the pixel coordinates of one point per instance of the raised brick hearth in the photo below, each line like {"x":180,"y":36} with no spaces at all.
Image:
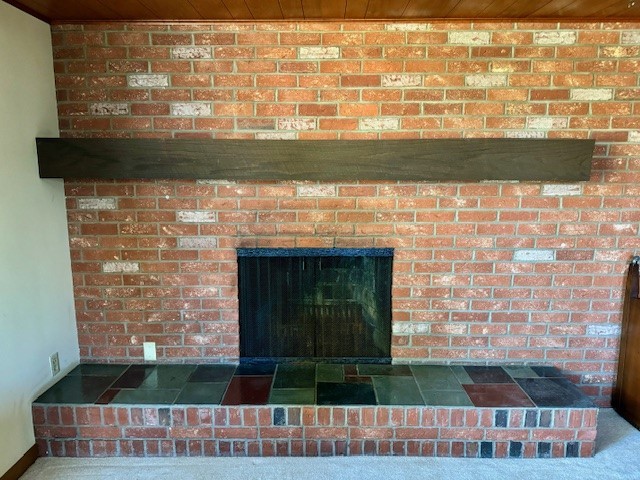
{"x":94,"y":431}
{"x":309,"y":410}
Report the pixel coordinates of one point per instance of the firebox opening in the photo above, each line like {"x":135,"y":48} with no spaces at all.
{"x":323,"y":305}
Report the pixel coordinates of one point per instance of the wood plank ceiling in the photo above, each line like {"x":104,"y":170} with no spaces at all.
{"x":57,"y":11}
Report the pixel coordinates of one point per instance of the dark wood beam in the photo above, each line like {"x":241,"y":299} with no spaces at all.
{"x":559,"y":160}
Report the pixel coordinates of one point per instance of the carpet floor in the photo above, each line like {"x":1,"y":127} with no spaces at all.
{"x":617,"y":457}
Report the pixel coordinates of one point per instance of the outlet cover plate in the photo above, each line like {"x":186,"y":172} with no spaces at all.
{"x":54,"y":364}
{"x":149,"y":351}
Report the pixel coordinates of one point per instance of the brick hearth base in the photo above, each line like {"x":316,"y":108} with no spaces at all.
{"x":93,"y":431}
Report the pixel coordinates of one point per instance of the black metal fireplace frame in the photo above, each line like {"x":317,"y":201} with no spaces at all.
{"x":254,"y":253}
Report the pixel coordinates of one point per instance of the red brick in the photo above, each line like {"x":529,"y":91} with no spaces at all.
{"x":170,"y":39}
{"x":191,"y":432}
{"x":96,"y":432}
{"x":128,"y":38}
{"x":55,"y":432}
{"x":235,"y":432}
{"x":297,"y":38}
{"x":326,"y":432}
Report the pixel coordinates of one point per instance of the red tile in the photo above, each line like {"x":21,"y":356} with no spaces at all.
{"x":248,"y":391}
{"x":497,"y":395}
{"x":107,"y":396}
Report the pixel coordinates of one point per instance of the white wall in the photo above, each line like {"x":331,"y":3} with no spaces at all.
{"x":36,"y":301}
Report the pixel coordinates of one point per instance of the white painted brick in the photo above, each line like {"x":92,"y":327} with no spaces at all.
{"x":379,"y":124}
{"x":196,"y":216}
{"x":561,"y":190}
{"x":611,"y":256}
{"x":107,"y":108}
{"x":469,"y":38}
{"x":547,"y":123}
{"x":631,"y":38}
{"x":534,"y":255}
{"x":618,"y":51}
{"x":276,"y":136}
{"x":316,"y":190}
{"x":83,"y":242}
{"x":311,"y":53}
{"x":148,"y":80}
{"x":503,"y":67}
{"x":500,"y":181}
{"x":553,"y":37}
{"x":120,"y":267}
{"x":449,"y":280}
{"x":596,"y":378}
{"x":394,"y":80}
{"x":625,"y":228}
{"x":525,"y":134}
{"x":406,"y":327}
{"x":486,"y":80}
{"x":191,"y":52}
{"x":603,"y":330}
{"x":587,"y":94}
{"x":198,"y":242}
{"x":296,"y":124}
{"x":453,"y":329}
{"x":215,"y":182}
{"x":634,"y":136}
{"x":408,"y":27}
{"x":191,"y":109}
{"x":101,"y":203}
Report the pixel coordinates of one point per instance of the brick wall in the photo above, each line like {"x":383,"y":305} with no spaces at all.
{"x":483,"y":272}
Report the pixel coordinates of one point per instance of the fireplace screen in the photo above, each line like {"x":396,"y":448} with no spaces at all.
{"x":315,"y":304}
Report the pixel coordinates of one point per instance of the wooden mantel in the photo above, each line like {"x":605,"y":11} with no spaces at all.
{"x":556,"y":160}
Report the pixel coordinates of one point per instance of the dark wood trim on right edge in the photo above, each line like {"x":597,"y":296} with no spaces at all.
{"x":22,"y":465}
{"x":626,"y":393}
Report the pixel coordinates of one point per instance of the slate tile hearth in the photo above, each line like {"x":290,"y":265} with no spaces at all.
{"x":307,"y":409}
{"x":317,"y":384}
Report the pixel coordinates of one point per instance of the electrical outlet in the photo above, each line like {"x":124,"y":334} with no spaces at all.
{"x":54,"y":363}
{"x":149,"y":351}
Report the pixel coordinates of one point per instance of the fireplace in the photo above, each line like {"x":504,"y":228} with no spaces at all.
{"x":329,"y":305}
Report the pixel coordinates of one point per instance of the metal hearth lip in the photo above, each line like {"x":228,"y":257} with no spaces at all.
{"x":315,"y":360}
{"x":315,"y":252}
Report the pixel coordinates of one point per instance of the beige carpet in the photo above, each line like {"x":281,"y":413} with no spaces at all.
{"x":617,"y":457}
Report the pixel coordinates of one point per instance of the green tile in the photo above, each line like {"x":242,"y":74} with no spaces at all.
{"x":397,"y":391}
{"x":345,"y":394}
{"x":202,"y":393}
{"x":488,"y":374}
{"x":521,"y":372}
{"x":99,"y":369}
{"x":462,"y":375}
{"x":388,"y":370}
{"x":134,"y":376}
{"x":168,"y":377}
{"x":295,"y":376}
{"x":435,"y":377}
{"x":77,"y":389}
{"x":447,"y":398}
{"x":329,"y":372}
{"x":212,"y":373}
{"x":146,"y":396}
{"x":255,"y":369}
{"x":551,"y":372}
{"x":293,"y":396}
